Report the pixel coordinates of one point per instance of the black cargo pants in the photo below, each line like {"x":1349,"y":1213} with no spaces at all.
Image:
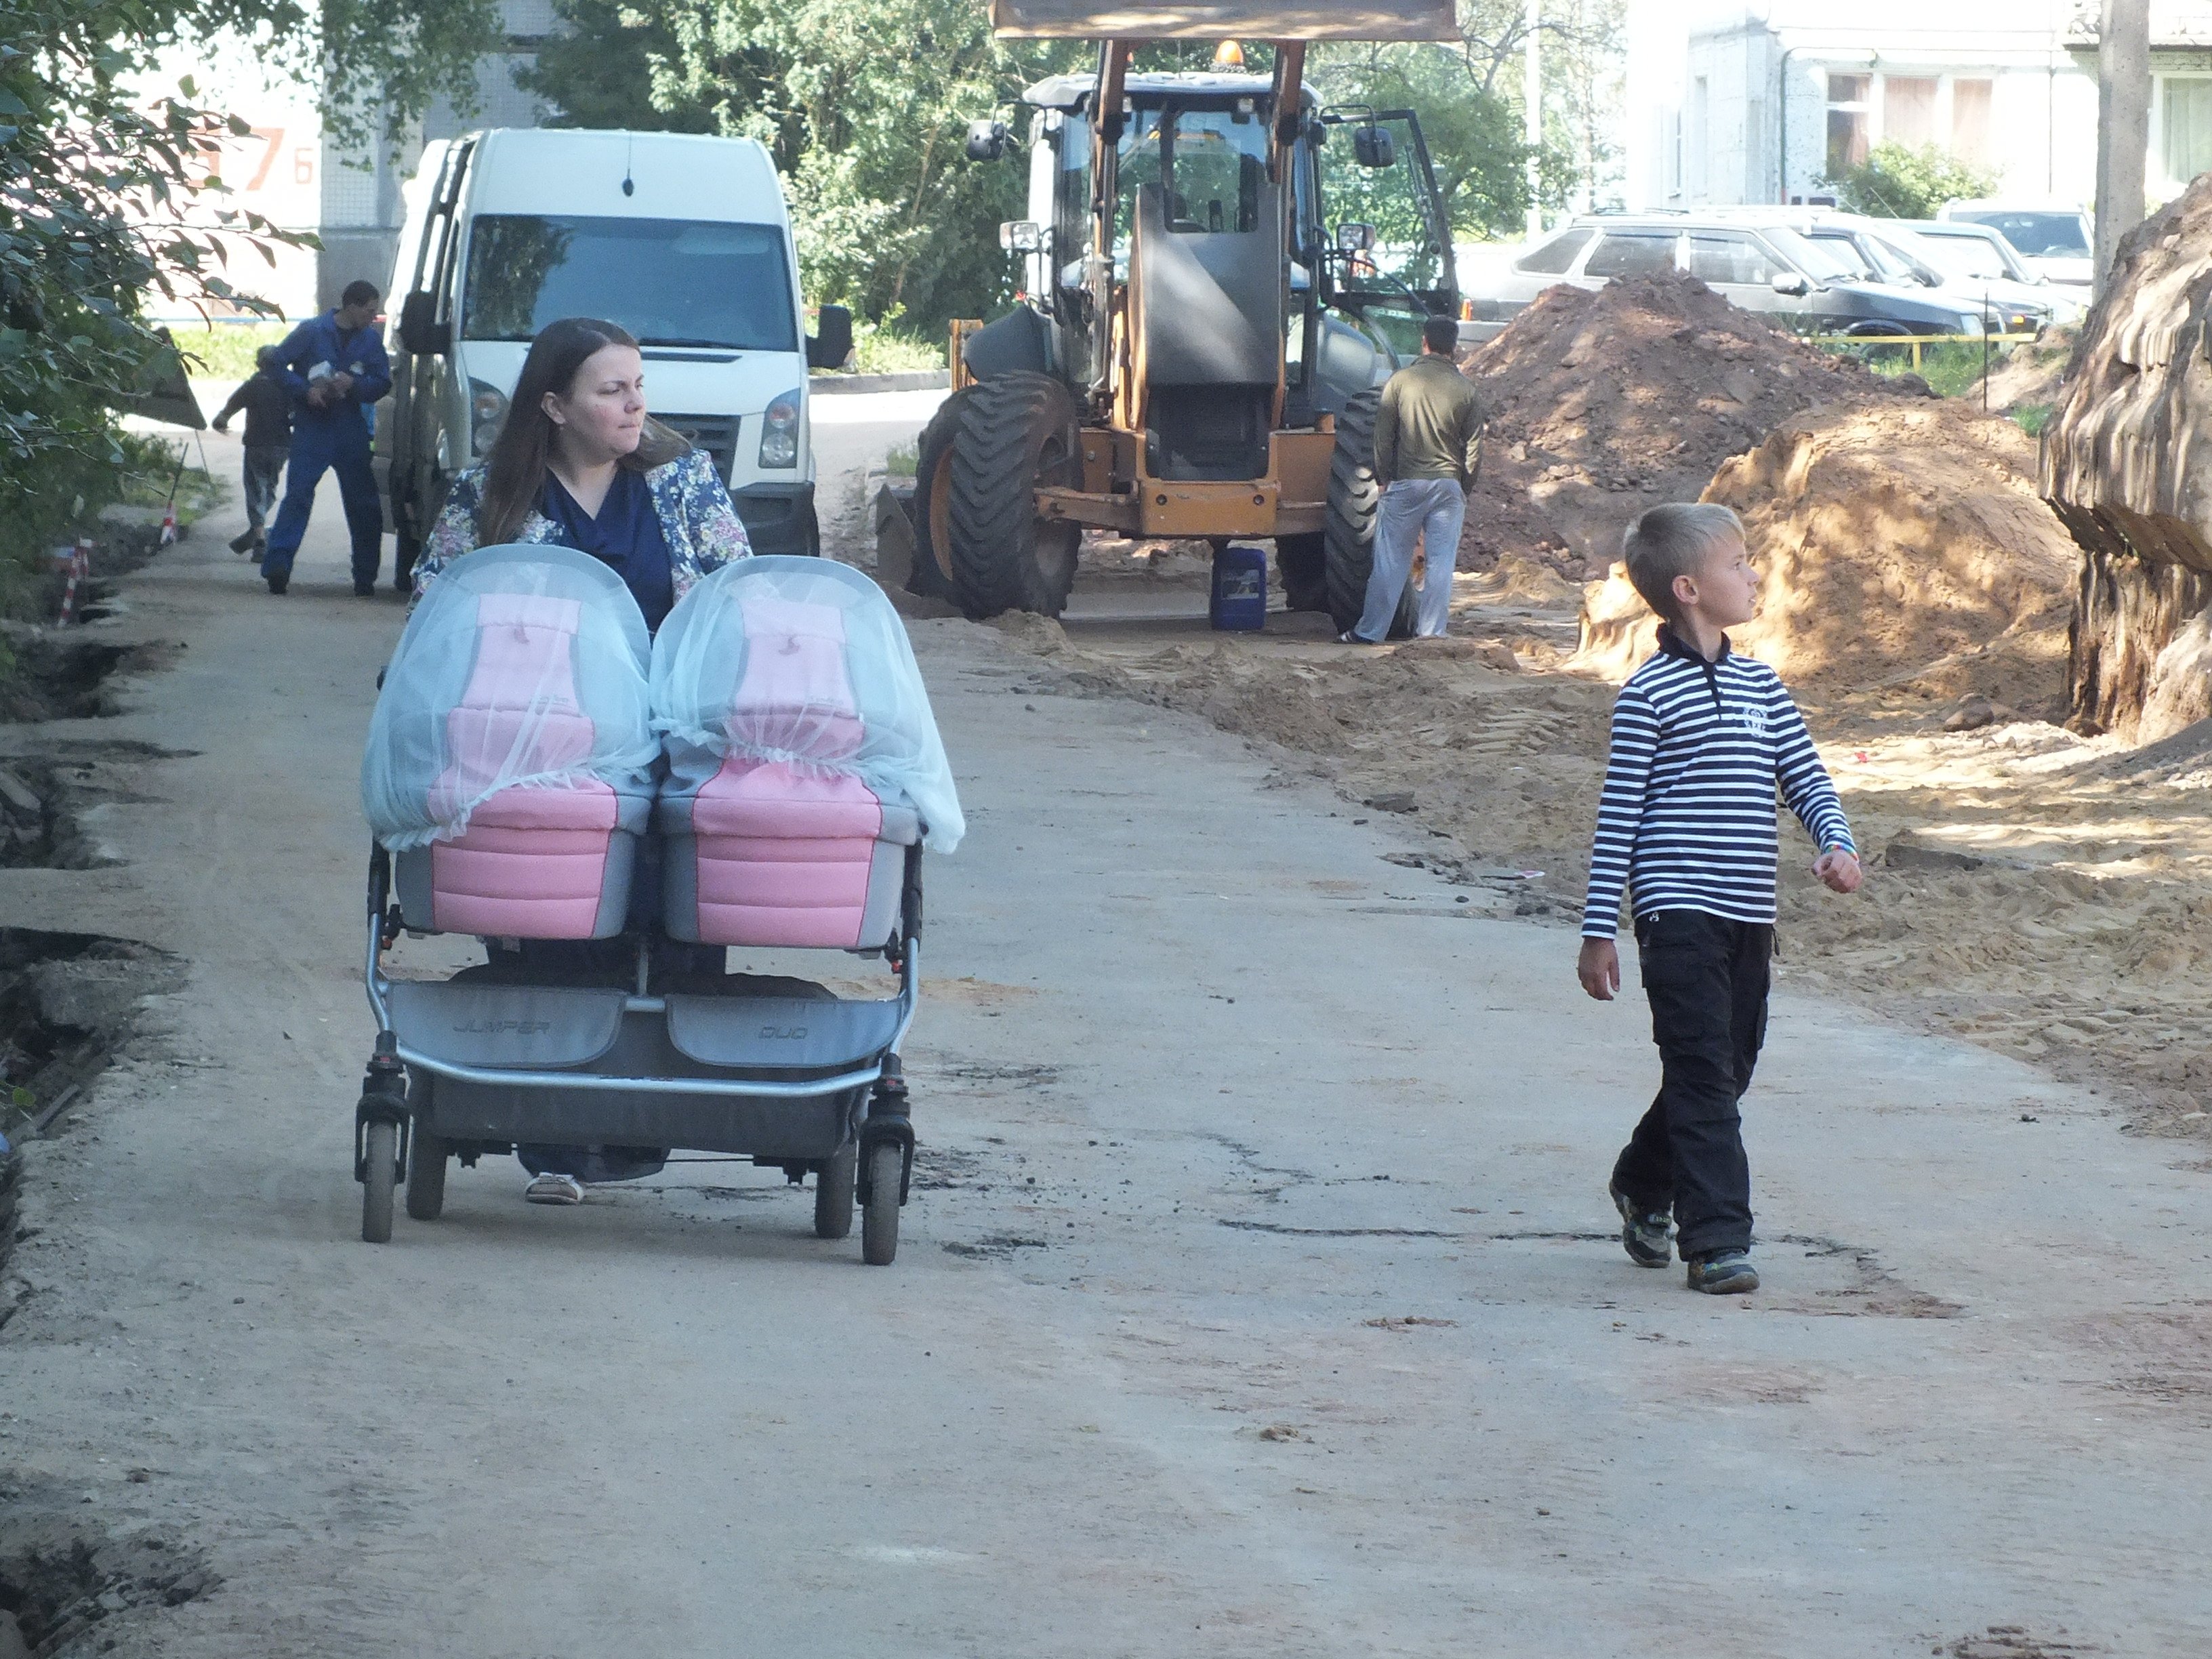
{"x":1706,"y":978}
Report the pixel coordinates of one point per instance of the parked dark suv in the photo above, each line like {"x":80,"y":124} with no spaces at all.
{"x":1770,"y":268}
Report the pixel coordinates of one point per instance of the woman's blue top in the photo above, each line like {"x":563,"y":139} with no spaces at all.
{"x":626,"y":536}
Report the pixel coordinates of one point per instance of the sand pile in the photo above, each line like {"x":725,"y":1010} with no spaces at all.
{"x":1603,"y":403}
{"x":1903,"y":546}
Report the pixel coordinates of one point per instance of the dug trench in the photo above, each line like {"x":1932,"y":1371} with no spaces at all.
{"x":62,"y":1578}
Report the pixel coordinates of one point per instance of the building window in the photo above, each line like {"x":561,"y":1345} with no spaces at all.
{"x":2186,"y":126}
{"x":1970,"y":121}
{"x":1847,"y":121}
{"x":1908,"y":110}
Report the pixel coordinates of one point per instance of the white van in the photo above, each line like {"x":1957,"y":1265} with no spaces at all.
{"x":683,"y":239}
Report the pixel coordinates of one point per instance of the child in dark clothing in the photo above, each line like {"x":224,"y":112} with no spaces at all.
{"x":1701,"y":739}
{"x":268,"y":408}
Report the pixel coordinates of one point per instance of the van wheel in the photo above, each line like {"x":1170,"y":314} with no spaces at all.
{"x":931,"y":576}
{"x":1017,"y":431}
{"x":1355,"y":503}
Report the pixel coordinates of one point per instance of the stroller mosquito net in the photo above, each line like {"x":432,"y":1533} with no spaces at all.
{"x":523,"y":666}
{"x":845,"y":695}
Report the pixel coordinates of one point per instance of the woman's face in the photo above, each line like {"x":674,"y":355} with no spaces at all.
{"x":603,"y":415}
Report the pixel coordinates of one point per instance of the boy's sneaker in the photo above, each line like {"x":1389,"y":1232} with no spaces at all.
{"x":1644,"y":1233}
{"x":243,"y":540}
{"x":1724,"y":1272}
{"x":554,"y":1188}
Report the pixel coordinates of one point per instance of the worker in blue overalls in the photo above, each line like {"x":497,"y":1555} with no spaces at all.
{"x":334,"y":368}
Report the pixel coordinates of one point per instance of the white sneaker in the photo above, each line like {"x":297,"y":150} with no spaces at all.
{"x":554,"y":1188}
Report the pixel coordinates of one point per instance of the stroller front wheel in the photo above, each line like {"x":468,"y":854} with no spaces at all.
{"x":383,"y":1149}
{"x":879,"y":1220}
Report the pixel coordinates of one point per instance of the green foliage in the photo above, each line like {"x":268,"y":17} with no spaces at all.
{"x":102,"y":205}
{"x":1897,"y":181}
{"x":2032,"y":418}
{"x":600,"y":72}
{"x":387,"y":60}
{"x":865,"y":109}
{"x":107,"y":203}
{"x":224,"y":350}
{"x":890,"y":348}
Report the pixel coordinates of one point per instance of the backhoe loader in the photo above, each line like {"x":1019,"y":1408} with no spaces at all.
{"x":1218,"y":274}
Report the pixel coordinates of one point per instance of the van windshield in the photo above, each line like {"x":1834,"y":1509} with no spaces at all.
{"x":670,"y":282}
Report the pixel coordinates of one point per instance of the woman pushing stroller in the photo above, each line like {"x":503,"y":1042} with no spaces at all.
{"x":581,"y":464}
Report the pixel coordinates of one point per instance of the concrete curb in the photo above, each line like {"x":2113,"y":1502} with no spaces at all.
{"x":921,"y":380}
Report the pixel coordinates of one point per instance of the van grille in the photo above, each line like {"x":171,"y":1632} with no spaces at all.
{"x":716,"y":433}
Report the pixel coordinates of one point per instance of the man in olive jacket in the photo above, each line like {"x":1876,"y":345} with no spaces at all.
{"x":1428,"y":444}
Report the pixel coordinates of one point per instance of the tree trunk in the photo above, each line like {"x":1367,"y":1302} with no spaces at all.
{"x":2123,"y":125}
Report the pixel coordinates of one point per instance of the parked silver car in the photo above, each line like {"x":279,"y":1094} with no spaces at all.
{"x":1772,"y":268}
{"x":1976,"y":253}
{"x":1886,"y":252}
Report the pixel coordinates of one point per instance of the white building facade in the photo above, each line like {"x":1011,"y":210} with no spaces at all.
{"x":1731,"y":103}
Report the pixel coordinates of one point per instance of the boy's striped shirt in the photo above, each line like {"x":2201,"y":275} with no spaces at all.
{"x":1687,"y":820}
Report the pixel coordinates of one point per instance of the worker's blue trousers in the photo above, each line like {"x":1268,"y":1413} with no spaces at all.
{"x":339,"y":444}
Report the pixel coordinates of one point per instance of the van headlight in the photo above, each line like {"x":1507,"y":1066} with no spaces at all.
{"x":779,"y":445}
{"x":487,"y":415}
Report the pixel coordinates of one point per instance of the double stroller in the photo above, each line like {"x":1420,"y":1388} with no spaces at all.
{"x":608,"y":814}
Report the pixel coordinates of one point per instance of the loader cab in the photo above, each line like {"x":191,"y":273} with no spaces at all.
{"x":1367,"y":249}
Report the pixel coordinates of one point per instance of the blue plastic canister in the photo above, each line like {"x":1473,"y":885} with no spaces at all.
{"x":1240,"y":588}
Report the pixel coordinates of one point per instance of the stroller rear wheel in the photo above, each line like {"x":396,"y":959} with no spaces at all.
{"x":833,"y":1193}
{"x":879,"y":1220}
{"x":382,"y":1145}
{"x":426,"y":1173}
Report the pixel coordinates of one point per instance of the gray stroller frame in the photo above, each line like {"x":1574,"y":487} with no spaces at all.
{"x":464,"y":1067}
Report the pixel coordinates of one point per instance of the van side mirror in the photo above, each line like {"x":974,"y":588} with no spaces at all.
{"x":832,"y":341}
{"x":1791,"y":282}
{"x":420,"y":330}
{"x":987,"y":140}
{"x":1374,"y":147}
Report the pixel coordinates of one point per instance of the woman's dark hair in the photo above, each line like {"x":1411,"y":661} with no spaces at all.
{"x":514,"y":476}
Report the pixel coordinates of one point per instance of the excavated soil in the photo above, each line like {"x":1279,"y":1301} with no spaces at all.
{"x":1902,"y":547}
{"x":1603,"y":403}
{"x":2032,"y":890}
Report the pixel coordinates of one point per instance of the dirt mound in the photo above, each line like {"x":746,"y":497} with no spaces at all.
{"x":1603,"y":403}
{"x":2122,"y":466}
{"x":2034,"y":375}
{"x":1902,"y":544}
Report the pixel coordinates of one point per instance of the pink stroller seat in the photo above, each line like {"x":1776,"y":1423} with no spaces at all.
{"x":782,"y":845}
{"x":549,"y":854}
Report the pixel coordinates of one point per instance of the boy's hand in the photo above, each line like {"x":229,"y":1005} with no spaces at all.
{"x":1599,"y":968}
{"x":1839,"y":870}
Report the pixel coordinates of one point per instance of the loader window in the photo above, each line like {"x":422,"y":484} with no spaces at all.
{"x":1138,"y":162}
{"x":1408,"y":252}
{"x":1217,"y":160}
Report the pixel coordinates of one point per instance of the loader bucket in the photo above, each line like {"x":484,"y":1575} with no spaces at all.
{"x":1220,"y":19}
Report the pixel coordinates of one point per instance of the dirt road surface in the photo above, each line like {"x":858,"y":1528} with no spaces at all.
{"x":1259,"y":1295}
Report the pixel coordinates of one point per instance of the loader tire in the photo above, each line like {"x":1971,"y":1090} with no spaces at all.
{"x":1355,"y":504}
{"x":931,"y":576}
{"x":1017,"y":431}
{"x":1302,"y":572}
